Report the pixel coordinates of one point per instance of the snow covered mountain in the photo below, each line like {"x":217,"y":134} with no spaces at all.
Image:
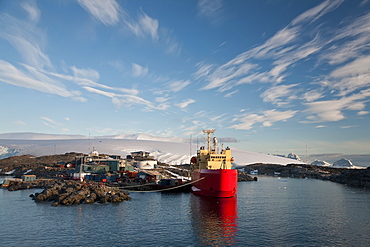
{"x":320,"y":163}
{"x":343,"y":163}
{"x":168,"y":150}
{"x":294,"y":156}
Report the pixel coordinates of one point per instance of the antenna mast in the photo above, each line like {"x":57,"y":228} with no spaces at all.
{"x":209,"y":132}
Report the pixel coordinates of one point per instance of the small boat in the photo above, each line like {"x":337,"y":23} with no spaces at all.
{"x":212,"y":173}
{"x":283,"y":180}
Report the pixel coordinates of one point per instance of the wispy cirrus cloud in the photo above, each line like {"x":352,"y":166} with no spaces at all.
{"x":312,"y":95}
{"x":27,"y":39}
{"x":185,"y":103}
{"x":49,"y":122}
{"x":31,"y":78}
{"x":128,"y":100}
{"x":280,"y":94}
{"x":210,"y":9}
{"x":282,"y":51}
{"x":355,"y":37}
{"x":89,"y":77}
{"x":333,"y":110}
{"x":271,"y":62}
{"x":351,"y":76}
{"x":315,"y":13}
{"x":267,"y":118}
{"x":145,"y":25}
{"x":19,"y":122}
{"x":53,"y":124}
{"x":36,"y":71}
{"x":174,"y":86}
{"x":33,"y":11}
{"x":108,"y":11}
{"x":138,"y":70}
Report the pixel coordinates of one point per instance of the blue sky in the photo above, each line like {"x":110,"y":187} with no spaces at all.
{"x":279,"y":76}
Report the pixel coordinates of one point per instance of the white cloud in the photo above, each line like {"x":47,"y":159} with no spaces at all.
{"x":185,"y":103}
{"x":312,"y":95}
{"x":161,"y":99}
{"x":33,"y":79}
{"x":149,"y":25}
{"x":130,"y":100}
{"x":176,"y":85}
{"x":210,"y":9}
{"x":346,"y":127}
{"x":275,"y":94}
{"x":350,"y":77}
{"x":127,"y":100}
{"x":267,"y":118}
{"x":85,"y":74}
{"x":218,"y":118}
{"x":49,"y":122}
{"x":138,"y":71}
{"x":88,"y":77}
{"x":362,"y":113}
{"x":355,"y":37}
{"x":145,"y":25}
{"x":32,"y":10}
{"x":27,"y":39}
{"x":332,"y":110}
{"x":359,"y":66}
{"x":97,"y":91}
{"x":107,"y":11}
{"x":228,"y":95}
{"x":224,"y":77}
{"x":315,"y":13}
{"x":21,"y":123}
{"x":283,"y":50}
{"x":172,"y":46}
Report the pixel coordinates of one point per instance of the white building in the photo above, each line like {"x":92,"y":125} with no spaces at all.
{"x":146,"y":164}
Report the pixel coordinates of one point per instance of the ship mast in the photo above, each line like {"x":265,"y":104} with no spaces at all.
{"x":209,"y":132}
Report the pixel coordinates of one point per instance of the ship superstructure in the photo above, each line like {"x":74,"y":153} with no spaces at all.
{"x":213,"y":170}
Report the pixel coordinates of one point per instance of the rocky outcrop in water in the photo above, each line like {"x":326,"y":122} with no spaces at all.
{"x":73,"y":192}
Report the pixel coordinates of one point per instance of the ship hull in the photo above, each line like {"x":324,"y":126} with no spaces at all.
{"x":215,"y":182}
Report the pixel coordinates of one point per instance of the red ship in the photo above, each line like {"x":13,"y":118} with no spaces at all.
{"x":213,"y":174}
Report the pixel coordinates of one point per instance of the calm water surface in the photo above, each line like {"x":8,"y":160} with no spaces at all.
{"x":270,"y":212}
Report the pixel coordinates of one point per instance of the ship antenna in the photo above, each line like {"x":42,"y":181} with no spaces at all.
{"x":190,"y":146}
{"x":209,"y":132}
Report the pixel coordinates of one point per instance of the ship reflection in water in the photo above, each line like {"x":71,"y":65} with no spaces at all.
{"x":214,"y":220}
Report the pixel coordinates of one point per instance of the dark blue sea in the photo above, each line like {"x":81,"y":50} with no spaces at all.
{"x":269,"y":212}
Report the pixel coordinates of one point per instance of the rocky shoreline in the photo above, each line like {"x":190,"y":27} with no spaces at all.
{"x":359,"y":178}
